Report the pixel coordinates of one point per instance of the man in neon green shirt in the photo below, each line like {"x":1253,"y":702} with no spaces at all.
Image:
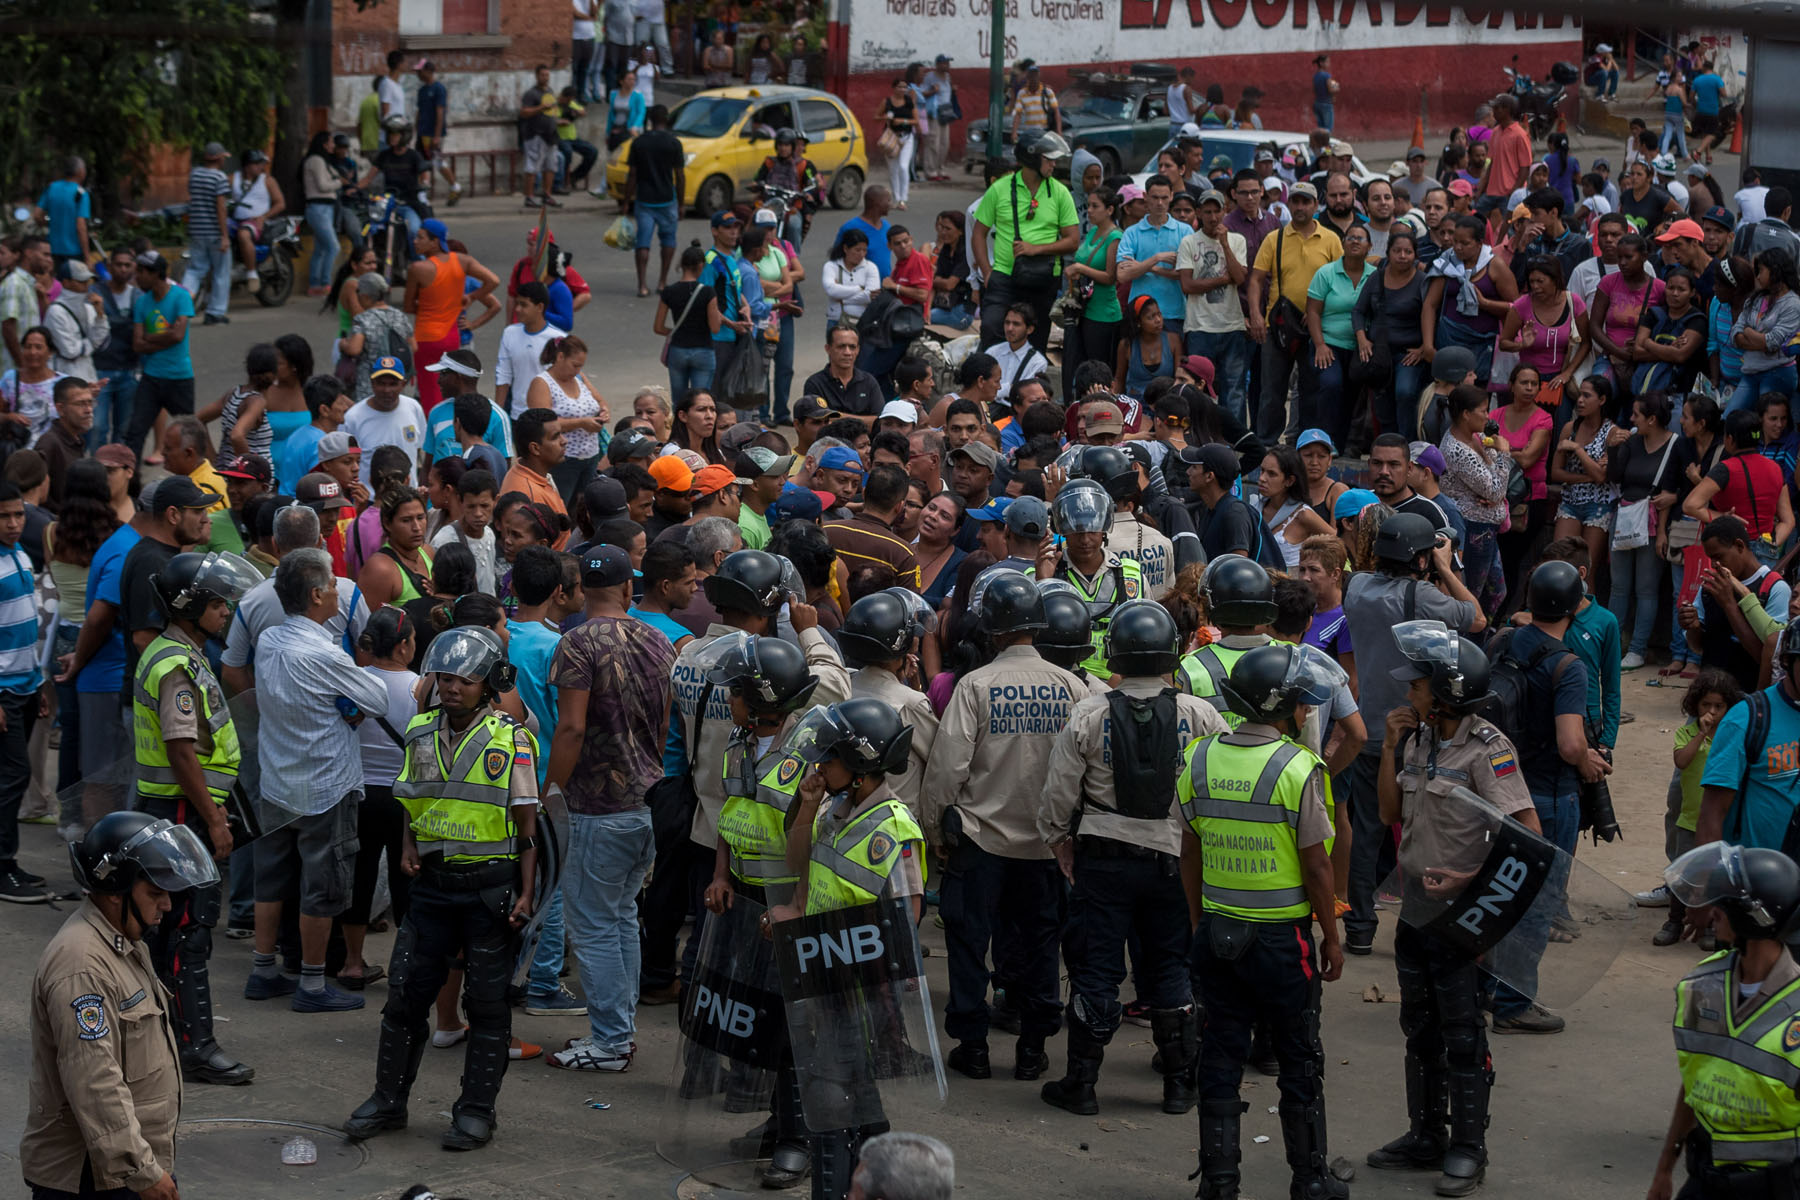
{"x":1023,"y":226}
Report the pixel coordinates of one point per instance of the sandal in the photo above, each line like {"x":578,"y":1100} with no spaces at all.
{"x":357,"y":983}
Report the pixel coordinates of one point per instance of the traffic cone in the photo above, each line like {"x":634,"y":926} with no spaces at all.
{"x":1418,"y":132}
{"x":1737,"y":134}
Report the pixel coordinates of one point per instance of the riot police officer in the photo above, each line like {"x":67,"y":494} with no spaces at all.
{"x":1067,"y":636}
{"x":187,"y":764}
{"x":1432,"y":745}
{"x":767,"y":682}
{"x":854,"y":843}
{"x":1083,"y":515}
{"x":878,"y":638}
{"x":1129,"y":535}
{"x":1257,"y":875}
{"x":1737,"y":1115}
{"x":981,"y":803}
{"x":469,"y":785}
{"x":1240,"y":600}
{"x":1109,"y":816}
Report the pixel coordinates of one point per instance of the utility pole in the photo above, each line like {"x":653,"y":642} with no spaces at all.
{"x":996,"y":80}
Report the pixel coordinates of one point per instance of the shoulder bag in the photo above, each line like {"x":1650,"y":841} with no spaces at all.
{"x":1034,"y":272}
{"x":1287,"y":323}
{"x":681,"y":320}
{"x":1635,"y":523}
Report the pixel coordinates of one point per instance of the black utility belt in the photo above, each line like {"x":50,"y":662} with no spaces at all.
{"x":1105,"y":847}
{"x":468,"y":876}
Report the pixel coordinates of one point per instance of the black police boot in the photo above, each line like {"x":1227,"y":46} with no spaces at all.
{"x":1465,"y":1163}
{"x":396,"y":1066}
{"x":1029,"y":1059}
{"x":202,"y":1061}
{"x":1177,"y":1037}
{"x":1003,"y":1014}
{"x":790,"y":1157}
{"x":1420,"y":1148}
{"x":1218,"y":1170}
{"x":1303,"y":1133}
{"x":472,"y":1118}
{"x":971,"y":1059}
{"x":1262,"y":1051}
{"x":1074,"y":1092}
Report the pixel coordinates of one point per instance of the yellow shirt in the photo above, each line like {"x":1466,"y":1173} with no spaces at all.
{"x":209,"y":480}
{"x":1301,"y":258}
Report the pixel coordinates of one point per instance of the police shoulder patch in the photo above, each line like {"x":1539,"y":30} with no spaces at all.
{"x":1503,"y":763}
{"x":788,"y":770}
{"x":1790,"y":1040}
{"x":1131,"y":587}
{"x":90,"y":1017}
{"x":880,"y":846}
{"x":184,"y":702}
{"x":494,"y":763}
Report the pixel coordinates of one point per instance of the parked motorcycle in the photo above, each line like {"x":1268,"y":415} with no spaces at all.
{"x":384,"y":228}
{"x":1540,"y":104}
{"x":276,"y":251}
{"x":793,"y":210}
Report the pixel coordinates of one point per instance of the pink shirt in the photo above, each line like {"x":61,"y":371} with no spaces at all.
{"x":1549,"y":348}
{"x":1519,"y":438}
{"x":1625,"y":304}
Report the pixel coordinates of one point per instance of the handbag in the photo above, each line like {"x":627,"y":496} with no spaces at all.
{"x":951,"y":109}
{"x":1380,"y":366}
{"x":679,"y":321}
{"x":1635,"y":523}
{"x":888,"y":143}
{"x":1287,"y":324}
{"x":1034,"y":272}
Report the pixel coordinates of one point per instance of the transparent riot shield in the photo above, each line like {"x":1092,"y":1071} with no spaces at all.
{"x":1532,"y":916}
{"x":859,"y":1016}
{"x":552,"y":855}
{"x":732,"y":1034}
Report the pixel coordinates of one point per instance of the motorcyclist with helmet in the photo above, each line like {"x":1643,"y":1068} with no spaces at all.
{"x":404,"y":174}
{"x":878,"y":638}
{"x":105,"y":1088}
{"x":1024,"y":225}
{"x":187,"y":751}
{"x":1432,"y":745}
{"x":1737,"y":1115}
{"x":790,"y":170}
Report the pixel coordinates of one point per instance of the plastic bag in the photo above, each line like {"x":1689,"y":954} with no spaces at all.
{"x":622,"y":233}
{"x":744,"y":383}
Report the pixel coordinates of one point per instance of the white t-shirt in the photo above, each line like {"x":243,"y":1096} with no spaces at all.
{"x":1678,"y":190}
{"x":1179,"y":111}
{"x":646,"y":80}
{"x":390,"y":93}
{"x":1750,"y":203}
{"x":583,"y":28}
{"x":1585,"y":279}
{"x":404,"y":427}
{"x":382,"y":757}
{"x":483,"y":549}
{"x":1217,"y":311}
{"x":520,"y":360}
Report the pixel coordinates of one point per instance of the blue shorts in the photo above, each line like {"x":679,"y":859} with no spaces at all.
{"x":1596,"y":514}
{"x":658,"y":217}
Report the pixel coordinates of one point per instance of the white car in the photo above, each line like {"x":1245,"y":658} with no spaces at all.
{"x":1240,"y":145}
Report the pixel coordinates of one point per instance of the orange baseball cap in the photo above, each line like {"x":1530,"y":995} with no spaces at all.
{"x":715,"y":478}
{"x":1683,"y":228}
{"x":672,"y":474}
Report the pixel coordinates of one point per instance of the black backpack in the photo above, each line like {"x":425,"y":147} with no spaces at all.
{"x":1529,"y":725}
{"x":1145,"y":735}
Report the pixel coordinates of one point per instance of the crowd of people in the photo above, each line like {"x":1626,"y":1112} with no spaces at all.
{"x":1064,"y":660}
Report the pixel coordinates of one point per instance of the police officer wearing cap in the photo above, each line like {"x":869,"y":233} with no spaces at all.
{"x":766,"y":681}
{"x":469,"y":786}
{"x":982,"y":789}
{"x":187,"y":764}
{"x":877,"y":639}
{"x":1433,"y":745}
{"x":1067,"y":636}
{"x":1257,"y":876}
{"x":748,"y":591}
{"x":1083,"y":513}
{"x":105,"y":1084}
{"x":1240,"y":601}
{"x":1129,"y":536}
{"x":853,"y":842}
{"x":1109,"y":815}
{"x":1737,"y":1030}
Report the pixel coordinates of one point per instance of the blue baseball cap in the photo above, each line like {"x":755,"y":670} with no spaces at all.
{"x":796,"y":503}
{"x":388,"y":365}
{"x":1315,"y":437}
{"x":438,"y":230}
{"x":1721,"y":217}
{"x":993,"y":510}
{"x":840,"y":458}
{"x":725,"y":217}
{"x":1353,"y":502}
{"x":605,"y":566}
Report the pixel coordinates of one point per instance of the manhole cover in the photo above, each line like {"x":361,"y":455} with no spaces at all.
{"x":232,"y":1155}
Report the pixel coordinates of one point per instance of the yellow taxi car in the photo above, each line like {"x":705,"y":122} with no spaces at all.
{"x":728,"y":132}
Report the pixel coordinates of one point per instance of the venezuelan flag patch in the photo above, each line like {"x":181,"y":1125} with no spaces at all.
{"x":1504,"y":764}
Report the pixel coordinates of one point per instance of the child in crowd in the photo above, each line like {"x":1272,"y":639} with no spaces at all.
{"x":1707,"y":700}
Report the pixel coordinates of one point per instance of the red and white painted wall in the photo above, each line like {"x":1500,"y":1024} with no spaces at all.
{"x":1385,"y":53}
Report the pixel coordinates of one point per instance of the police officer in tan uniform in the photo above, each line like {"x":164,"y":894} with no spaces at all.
{"x":105,"y":1086}
{"x":982,"y":789}
{"x":1121,"y":849}
{"x":877,"y":638}
{"x":1433,"y":745}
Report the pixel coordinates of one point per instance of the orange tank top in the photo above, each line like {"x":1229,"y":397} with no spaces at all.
{"x":440,"y":301}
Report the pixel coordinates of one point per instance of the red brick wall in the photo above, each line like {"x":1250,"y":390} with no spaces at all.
{"x":539,"y":30}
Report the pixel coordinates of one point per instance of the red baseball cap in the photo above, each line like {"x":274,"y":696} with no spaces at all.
{"x":1683,"y":228}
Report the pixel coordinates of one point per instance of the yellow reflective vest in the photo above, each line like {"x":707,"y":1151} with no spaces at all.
{"x":1205,"y":672}
{"x":1243,"y":803}
{"x":1117,"y":582}
{"x":1740,"y":1070}
{"x":465,"y":814}
{"x":753,"y":822}
{"x":155,"y":778}
{"x":852,"y":868}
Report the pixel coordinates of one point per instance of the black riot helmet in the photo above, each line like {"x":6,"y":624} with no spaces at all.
{"x":749,"y":581}
{"x":191,"y":581}
{"x":123,"y":847}
{"x":1041,"y":151}
{"x":1011,"y":604}
{"x":1238,"y":592}
{"x":881,"y":627}
{"x":1554,"y":592}
{"x":1403,"y":537}
{"x":1141,"y":639}
{"x":1067,"y":636}
{"x":1758,"y":890}
{"x":1110,"y":467}
{"x":1457,"y":668}
{"x":1268,"y":684}
{"x":771,"y":675}
{"x":865,"y":734}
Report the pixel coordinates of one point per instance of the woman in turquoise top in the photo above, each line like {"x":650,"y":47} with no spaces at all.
{"x":1329,"y":299}
{"x":284,"y":402}
{"x":1095,"y":267}
{"x":1149,"y":352}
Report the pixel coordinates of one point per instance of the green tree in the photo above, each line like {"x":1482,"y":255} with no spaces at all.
{"x":112,"y":79}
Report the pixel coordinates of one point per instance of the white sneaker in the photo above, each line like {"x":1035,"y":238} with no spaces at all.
{"x":253,"y":284}
{"x":583,"y":1054}
{"x":1656,"y":897}
{"x":1631,"y":662}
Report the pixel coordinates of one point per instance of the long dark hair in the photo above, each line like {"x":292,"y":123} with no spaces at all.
{"x":678,"y":432}
{"x":87,"y":516}
{"x":344,"y":273}
{"x":298,"y":354}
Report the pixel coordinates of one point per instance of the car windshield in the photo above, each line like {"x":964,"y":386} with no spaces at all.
{"x":1109,"y":108}
{"x":708,"y":116}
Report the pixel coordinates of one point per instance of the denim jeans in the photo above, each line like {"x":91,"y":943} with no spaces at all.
{"x":1481,"y":345}
{"x":1272,"y":416}
{"x":112,"y":408}
{"x":690,"y":370}
{"x":321,"y":218}
{"x":1329,"y":406}
{"x":1608,"y":86}
{"x":581,"y":153}
{"x":547,"y":962}
{"x":1755,"y":384}
{"x":1674,"y":134}
{"x":1230,"y":355}
{"x":1324,"y":114}
{"x":20,"y":711}
{"x":209,"y":260}
{"x":68,"y":719}
{"x":1636,"y":573}
{"x":609,"y":856}
{"x":1561,"y":820}
{"x":1397,"y":402}
{"x":1679,"y":651}
{"x":956,"y":317}
{"x":784,"y":371}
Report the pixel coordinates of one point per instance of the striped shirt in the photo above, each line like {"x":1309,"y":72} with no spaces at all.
{"x":18,"y":623}
{"x":205,"y":186}
{"x":864,"y":541}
